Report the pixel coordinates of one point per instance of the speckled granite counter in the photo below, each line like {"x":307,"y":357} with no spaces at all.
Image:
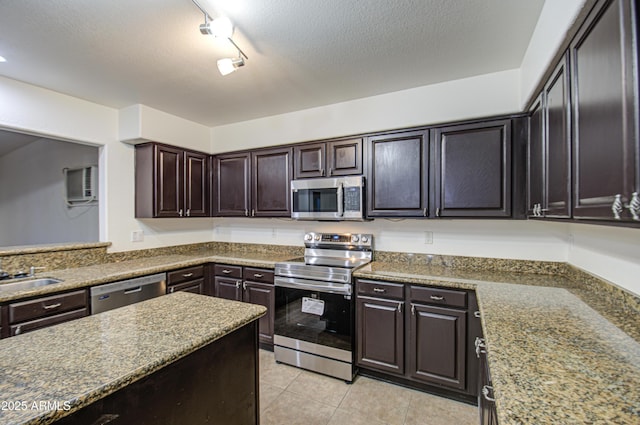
{"x":110,"y":272}
{"x":557,"y":353}
{"x":89,"y":358}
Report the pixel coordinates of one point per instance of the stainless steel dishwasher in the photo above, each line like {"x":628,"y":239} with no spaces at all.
{"x":125,"y":292}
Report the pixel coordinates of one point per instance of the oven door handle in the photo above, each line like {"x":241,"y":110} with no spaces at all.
{"x":289,"y":282}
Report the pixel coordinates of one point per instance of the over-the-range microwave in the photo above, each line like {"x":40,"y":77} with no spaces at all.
{"x":334,"y":198}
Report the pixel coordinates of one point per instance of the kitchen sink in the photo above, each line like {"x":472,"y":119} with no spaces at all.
{"x":28,"y":284}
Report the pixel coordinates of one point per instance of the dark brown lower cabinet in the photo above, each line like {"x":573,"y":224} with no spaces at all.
{"x":217,"y":384}
{"x":191,"y":279}
{"x":380,"y":338}
{"x":418,"y":335}
{"x":250,"y":285}
{"x":437,"y":345}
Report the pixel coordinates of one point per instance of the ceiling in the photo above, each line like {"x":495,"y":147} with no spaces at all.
{"x":302,"y":53}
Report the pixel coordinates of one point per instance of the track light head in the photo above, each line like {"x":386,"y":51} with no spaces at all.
{"x":228,"y":65}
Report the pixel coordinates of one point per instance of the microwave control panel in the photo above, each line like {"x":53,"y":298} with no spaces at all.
{"x":352,"y":199}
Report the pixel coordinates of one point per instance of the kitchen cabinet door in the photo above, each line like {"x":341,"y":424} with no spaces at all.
{"x":159,"y":181}
{"x":605,"y":113}
{"x":380,"y":334}
{"x":437,"y":345}
{"x":233,"y":184}
{"x":262,"y":294}
{"x":196,"y":184}
{"x":271,"y":182}
{"x":473,"y":170}
{"x":344,"y":157}
{"x":398,"y":175}
{"x":228,"y":288}
{"x":558,"y":144}
{"x":536,"y":158}
{"x":310,"y":160}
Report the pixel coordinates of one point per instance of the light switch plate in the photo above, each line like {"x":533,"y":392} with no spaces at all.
{"x":137,"y":236}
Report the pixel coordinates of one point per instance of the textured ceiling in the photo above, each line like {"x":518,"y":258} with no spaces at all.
{"x":302,"y":53}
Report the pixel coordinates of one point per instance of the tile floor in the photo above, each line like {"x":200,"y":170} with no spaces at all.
{"x":291,"y":396}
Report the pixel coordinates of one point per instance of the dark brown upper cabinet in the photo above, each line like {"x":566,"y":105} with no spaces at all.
{"x":254,"y":184}
{"x":557,"y":109}
{"x":171,"y":182}
{"x":550,"y":148}
{"x":536,"y":159}
{"x":326,"y":159}
{"x":604,"y":88}
{"x":398,"y":175}
{"x":232,"y":184}
{"x":473,"y":169}
{"x":271,"y":182}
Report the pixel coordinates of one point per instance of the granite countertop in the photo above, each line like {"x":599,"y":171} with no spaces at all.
{"x":82,"y":277}
{"x":556,"y":353}
{"x":90,"y":358}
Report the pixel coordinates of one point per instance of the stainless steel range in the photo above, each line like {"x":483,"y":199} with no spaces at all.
{"x":314,"y":320}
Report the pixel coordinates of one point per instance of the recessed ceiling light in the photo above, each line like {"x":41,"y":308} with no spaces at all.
{"x":2,"y":59}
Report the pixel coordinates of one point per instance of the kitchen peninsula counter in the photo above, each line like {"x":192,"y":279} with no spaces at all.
{"x":55,"y":371}
{"x":558,"y":353}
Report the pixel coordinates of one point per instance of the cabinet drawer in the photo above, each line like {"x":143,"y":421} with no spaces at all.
{"x":438,"y":296}
{"x":48,"y":321}
{"x":258,"y":275}
{"x":229,"y":271}
{"x":193,"y":286}
{"x":380,"y":289}
{"x":185,"y":275}
{"x":47,"y":306}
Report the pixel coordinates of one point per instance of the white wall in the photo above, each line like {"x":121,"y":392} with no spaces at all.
{"x":555,"y":20}
{"x":480,"y":96}
{"x":32,"y":195}
{"x":36,"y":110}
{"x":609,"y":252}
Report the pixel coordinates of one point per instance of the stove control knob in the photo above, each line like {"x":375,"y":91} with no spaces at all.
{"x":316,"y":237}
{"x":365,"y":239}
{"x":308,"y":237}
{"x":355,"y":238}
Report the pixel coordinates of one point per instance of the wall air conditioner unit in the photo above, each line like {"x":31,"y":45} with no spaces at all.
{"x":81,"y":184}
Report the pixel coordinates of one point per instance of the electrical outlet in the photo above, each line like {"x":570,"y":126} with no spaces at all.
{"x":137,"y":236}
{"x":428,"y":238}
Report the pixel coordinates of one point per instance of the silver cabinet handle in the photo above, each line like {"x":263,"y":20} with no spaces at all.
{"x":238,"y":283}
{"x":616,"y":207}
{"x":244,"y":285}
{"x":187,"y":275}
{"x":172,"y":289}
{"x":18,"y":330}
{"x":180,"y":212}
{"x":51,"y":306}
{"x":131,"y":291}
{"x":257,"y":275}
{"x":437,"y":212}
{"x":413,"y":310}
{"x":436,"y":298}
{"x":480,"y":346}
{"x":485,"y":393}
{"x":476,"y":314}
{"x":246,"y":213}
{"x":399,"y":307}
{"x":226,"y":271}
{"x":253,"y":213}
{"x":379,"y":290}
{"x":188,"y":213}
{"x":424,"y":212}
{"x":634,"y":206}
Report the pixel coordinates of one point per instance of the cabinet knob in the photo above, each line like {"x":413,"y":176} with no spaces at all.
{"x":616,"y":207}
{"x":634,"y":206}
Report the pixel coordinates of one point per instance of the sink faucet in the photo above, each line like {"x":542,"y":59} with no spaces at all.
{"x":32,"y":270}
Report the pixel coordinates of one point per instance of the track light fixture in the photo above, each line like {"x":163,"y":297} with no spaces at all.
{"x":222,"y":28}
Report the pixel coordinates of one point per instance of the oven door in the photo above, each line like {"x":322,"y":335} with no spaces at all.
{"x":314,"y":317}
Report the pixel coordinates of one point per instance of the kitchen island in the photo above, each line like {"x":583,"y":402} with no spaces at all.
{"x":180,"y":358}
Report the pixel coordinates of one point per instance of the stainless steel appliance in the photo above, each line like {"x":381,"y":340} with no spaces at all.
{"x":314,"y":308}
{"x":335,"y":198}
{"x":125,"y":292}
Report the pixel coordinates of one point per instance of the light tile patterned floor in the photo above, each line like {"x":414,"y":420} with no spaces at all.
{"x":291,"y":396}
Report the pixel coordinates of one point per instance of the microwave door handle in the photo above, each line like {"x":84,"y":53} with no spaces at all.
{"x":340,"y":201}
